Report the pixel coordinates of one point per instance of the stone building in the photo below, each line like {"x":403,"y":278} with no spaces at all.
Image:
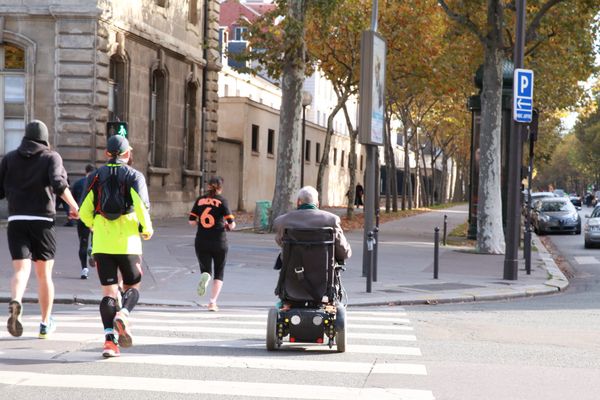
{"x":76,"y":64}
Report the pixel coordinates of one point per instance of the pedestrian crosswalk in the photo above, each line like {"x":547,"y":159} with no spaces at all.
{"x":218,"y":354}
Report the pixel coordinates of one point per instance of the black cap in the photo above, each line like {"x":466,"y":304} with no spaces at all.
{"x":117,"y":145}
{"x":37,"y":130}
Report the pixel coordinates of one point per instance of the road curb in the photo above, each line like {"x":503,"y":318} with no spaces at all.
{"x":556,"y":279}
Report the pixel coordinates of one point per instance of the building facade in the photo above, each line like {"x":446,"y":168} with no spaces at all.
{"x":76,"y":64}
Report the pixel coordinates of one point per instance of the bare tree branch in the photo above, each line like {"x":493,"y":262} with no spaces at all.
{"x":463,"y":20}
{"x":531,"y":31}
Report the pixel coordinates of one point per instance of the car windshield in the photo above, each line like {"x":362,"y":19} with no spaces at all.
{"x":556,"y":206}
{"x":596,"y":213}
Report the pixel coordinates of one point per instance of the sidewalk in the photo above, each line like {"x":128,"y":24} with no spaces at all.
{"x":405,"y":268}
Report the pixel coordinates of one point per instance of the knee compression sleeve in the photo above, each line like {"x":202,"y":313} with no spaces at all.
{"x":108,"y":309}
{"x":130,"y":298}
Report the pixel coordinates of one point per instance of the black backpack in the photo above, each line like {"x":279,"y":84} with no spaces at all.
{"x":111,"y":192}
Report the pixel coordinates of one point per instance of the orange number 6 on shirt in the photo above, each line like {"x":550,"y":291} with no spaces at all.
{"x":206,"y":219}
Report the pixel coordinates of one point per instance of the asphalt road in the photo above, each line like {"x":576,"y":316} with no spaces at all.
{"x":540,"y":348}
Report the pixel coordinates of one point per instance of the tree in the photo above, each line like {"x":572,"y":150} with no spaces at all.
{"x":277,"y":42}
{"x":550,"y":20}
{"x":334,"y":42}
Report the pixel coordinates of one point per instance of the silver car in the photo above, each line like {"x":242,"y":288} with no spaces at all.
{"x":591,"y":229}
{"x":555,"y":215}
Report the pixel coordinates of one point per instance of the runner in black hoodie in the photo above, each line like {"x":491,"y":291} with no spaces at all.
{"x":30,"y":177}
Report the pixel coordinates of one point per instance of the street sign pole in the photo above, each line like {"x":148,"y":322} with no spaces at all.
{"x":513,"y":220}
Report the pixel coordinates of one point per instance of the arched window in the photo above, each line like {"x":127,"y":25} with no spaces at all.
{"x":117,"y":89}
{"x":12,"y":97}
{"x":191,"y":130}
{"x":158,"y":119}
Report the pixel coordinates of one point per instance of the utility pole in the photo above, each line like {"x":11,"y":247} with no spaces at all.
{"x":513,"y":218}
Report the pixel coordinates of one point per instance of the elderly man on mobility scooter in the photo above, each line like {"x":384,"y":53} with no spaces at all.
{"x":309,"y":286}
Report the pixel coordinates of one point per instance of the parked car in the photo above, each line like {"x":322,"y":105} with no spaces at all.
{"x":534,"y":197}
{"x":576,"y":200}
{"x":560,"y":193}
{"x":591,"y":229}
{"x":596,"y":197}
{"x":555,"y":215}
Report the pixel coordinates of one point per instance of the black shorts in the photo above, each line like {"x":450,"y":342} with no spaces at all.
{"x":107,"y":265}
{"x":31,"y":239}
{"x":212,"y":257}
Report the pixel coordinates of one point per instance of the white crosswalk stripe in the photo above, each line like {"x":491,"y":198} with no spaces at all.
{"x":380,"y":343}
{"x":586,"y":260}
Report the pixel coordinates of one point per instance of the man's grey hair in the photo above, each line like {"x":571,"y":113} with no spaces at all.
{"x":308,"y":195}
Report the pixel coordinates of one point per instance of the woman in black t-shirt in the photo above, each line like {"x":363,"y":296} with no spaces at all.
{"x":212,"y":216}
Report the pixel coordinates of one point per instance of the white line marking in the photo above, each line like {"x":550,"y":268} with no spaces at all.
{"x":215,"y":343}
{"x":583,"y":260}
{"x":74,"y":320}
{"x":271,"y":363}
{"x":350,"y":317}
{"x":221,"y":330}
{"x":222,"y":388}
{"x":377,"y":313}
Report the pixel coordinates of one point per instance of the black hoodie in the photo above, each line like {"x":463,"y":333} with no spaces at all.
{"x":29,"y":178}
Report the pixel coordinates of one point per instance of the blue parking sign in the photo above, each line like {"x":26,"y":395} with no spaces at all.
{"x":523,"y":95}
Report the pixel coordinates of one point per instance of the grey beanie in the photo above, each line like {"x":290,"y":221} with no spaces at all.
{"x":37,"y":130}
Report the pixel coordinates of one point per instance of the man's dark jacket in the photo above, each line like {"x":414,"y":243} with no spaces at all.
{"x":30,"y":177}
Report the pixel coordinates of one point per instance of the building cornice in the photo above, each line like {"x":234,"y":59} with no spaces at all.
{"x":55,"y":11}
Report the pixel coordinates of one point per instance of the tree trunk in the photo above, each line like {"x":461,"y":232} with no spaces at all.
{"x":351,"y":164}
{"x":417,"y":193}
{"x":388,"y":182}
{"x":433,"y":181}
{"x":426,"y":183}
{"x":490,"y":234}
{"x":327,"y":145}
{"x":388,"y":157}
{"x":287,"y":176}
{"x":392,"y":173}
{"x":407,"y":192}
{"x":444,"y":179}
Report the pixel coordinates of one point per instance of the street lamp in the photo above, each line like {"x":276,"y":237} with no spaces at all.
{"x":306,"y":101}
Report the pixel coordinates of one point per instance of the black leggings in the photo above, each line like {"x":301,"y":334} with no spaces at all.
{"x":83,"y":233}
{"x":209,"y":253}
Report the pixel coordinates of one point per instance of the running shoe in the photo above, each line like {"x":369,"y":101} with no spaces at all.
{"x":203,"y":284}
{"x":14,"y":326}
{"x":111,"y":349}
{"x":121,"y":324}
{"x":213,"y":307}
{"x":84,"y":272}
{"x":47,"y":329}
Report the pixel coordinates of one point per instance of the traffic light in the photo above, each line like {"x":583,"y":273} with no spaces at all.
{"x":117,"y":128}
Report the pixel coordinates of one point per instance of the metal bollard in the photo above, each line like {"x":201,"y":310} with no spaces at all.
{"x":370,"y":243}
{"x":445,"y":228}
{"x":436,"y":252}
{"x":375,"y":251}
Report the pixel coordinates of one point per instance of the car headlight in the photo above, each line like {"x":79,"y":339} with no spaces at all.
{"x":544,"y":218}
